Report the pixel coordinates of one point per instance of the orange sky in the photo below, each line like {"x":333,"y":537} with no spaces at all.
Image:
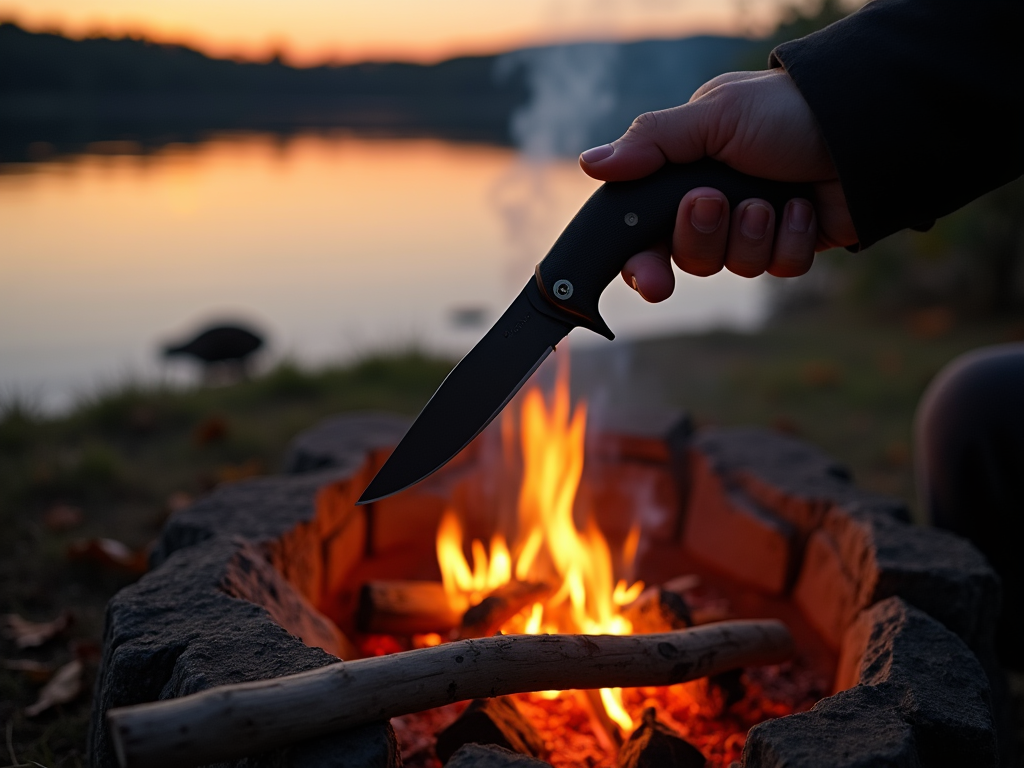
{"x":312,"y":31}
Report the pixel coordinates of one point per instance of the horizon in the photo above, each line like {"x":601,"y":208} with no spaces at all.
{"x":315,"y":32}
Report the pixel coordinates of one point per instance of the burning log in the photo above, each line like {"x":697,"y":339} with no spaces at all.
{"x":605,"y":729}
{"x":487,"y":616}
{"x":405,"y":608}
{"x":490,"y":721}
{"x":233,"y":721}
{"x":659,"y":610}
{"x":654,"y":744}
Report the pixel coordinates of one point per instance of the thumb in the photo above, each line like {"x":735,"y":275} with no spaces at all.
{"x":671,"y":135}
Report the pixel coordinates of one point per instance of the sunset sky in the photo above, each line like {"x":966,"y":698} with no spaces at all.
{"x":313,"y":31}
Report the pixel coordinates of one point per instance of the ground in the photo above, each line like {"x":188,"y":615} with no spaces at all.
{"x":119,"y":463}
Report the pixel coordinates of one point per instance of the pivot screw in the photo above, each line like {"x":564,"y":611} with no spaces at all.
{"x":631,"y":219}
{"x":563,"y":289}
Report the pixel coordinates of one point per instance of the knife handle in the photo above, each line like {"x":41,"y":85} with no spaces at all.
{"x":623,"y":218}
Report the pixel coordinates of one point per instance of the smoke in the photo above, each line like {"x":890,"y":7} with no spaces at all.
{"x":572,"y":89}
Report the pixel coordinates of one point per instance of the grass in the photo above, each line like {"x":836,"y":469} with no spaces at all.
{"x":845,"y":382}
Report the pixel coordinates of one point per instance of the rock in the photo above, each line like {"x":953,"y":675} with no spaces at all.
{"x":655,"y":745}
{"x":178,"y":631}
{"x":340,"y":441}
{"x":490,"y":721}
{"x":858,"y":728}
{"x":477,"y":756}
{"x":931,"y":676}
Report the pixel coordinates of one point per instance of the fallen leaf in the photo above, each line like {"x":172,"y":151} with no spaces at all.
{"x":109,"y":553}
{"x":62,"y":517}
{"x":36,"y":671}
{"x":31,"y":634}
{"x":232,"y":473}
{"x":64,"y":686}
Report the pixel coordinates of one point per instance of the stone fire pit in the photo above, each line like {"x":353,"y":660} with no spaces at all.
{"x":253,"y":582}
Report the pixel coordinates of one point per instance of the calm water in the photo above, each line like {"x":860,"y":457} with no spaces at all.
{"x":334,"y":245}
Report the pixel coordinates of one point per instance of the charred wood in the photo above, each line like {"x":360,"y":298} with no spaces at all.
{"x":404,"y":608}
{"x":486,"y":617}
{"x":490,"y":721}
{"x":655,"y":745}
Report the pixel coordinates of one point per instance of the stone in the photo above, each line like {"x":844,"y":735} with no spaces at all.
{"x":490,"y":721}
{"x":794,"y":479}
{"x":858,"y":728}
{"x":179,"y":630}
{"x":729,"y":531}
{"x":654,"y":745}
{"x":931,"y":676}
{"x":340,"y":441}
{"x":479,"y":756}
{"x":938,"y":572}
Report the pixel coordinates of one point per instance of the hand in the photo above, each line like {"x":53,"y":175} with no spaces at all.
{"x":758,"y":123}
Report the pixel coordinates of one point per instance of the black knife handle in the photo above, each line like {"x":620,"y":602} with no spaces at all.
{"x":625,"y":217}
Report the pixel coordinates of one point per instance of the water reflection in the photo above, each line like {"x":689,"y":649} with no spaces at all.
{"x":333,"y":243}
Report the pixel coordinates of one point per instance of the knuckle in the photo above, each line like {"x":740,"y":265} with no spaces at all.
{"x":646,"y":123}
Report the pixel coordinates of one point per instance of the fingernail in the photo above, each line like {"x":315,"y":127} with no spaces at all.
{"x":597,"y":154}
{"x":754,"y":223}
{"x":637,"y":289}
{"x":706,"y":214}
{"x":799,"y":217}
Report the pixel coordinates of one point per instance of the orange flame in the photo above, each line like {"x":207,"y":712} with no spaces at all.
{"x":548,"y":546}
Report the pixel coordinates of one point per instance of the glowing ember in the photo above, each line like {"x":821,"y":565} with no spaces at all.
{"x":548,"y":547}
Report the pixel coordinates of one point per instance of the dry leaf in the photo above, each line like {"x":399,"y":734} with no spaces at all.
{"x":62,"y":517}
{"x":31,"y":634}
{"x":64,"y":686}
{"x":36,"y":671}
{"x":109,"y":553}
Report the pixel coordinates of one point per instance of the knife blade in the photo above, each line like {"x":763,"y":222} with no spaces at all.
{"x":620,"y":219}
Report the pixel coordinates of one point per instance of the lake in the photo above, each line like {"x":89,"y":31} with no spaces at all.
{"x":335,"y":245}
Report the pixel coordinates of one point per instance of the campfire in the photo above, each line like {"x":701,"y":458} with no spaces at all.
{"x":588,"y":595}
{"x":548,"y":570}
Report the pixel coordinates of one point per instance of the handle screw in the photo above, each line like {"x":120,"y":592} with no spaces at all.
{"x":631,"y":219}
{"x":563,"y":289}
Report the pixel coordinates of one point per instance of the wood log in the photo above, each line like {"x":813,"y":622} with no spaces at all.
{"x":233,"y":721}
{"x":405,"y":608}
{"x":655,"y":744}
{"x":490,"y":721}
{"x":606,"y":730}
{"x":658,"y":610}
{"x":486,"y":617}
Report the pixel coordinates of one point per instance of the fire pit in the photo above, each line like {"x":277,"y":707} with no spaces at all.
{"x":542,"y":527}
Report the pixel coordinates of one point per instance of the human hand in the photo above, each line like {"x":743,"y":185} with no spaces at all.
{"x":758,"y":123}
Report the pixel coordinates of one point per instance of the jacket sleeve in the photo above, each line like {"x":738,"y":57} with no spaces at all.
{"x":920,"y":104}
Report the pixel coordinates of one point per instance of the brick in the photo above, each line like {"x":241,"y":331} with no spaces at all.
{"x":825,"y":592}
{"x":727,"y":530}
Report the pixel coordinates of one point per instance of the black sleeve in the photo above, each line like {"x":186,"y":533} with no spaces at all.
{"x":920,"y":104}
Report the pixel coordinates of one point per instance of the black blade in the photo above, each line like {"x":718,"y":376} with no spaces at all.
{"x":471,"y":396}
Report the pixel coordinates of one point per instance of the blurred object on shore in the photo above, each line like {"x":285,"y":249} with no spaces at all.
{"x":225,"y":351}
{"x":212,"y":429}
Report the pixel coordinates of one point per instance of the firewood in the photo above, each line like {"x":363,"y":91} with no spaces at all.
{"x":655,"y":745}
{"x":659,"y":610}
{"x":490,"y":721}
{"x":233,"y":721}
{"x":405,"y":608}
{"x":606,"y":730}
{"x":487,"y":616}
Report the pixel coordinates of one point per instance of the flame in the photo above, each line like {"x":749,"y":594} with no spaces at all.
{"x":548,"y":546}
